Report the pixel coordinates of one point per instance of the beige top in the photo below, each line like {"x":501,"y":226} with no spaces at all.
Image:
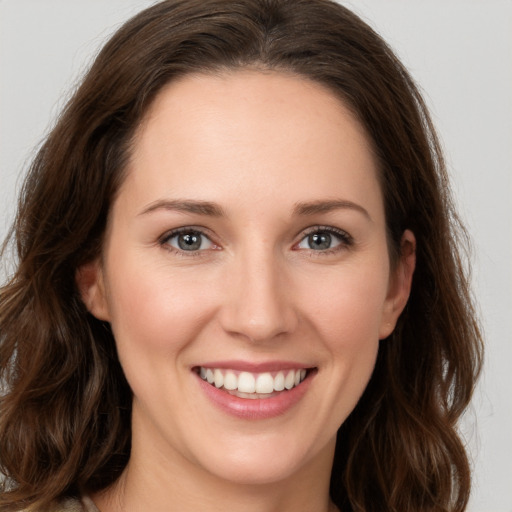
{"x":85,"y":504}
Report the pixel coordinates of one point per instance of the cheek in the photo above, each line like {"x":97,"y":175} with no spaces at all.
{"x":155,"y":315}
{"x":344,"y":311}
{"x":347,"y":305}
{"x":156,"y":309}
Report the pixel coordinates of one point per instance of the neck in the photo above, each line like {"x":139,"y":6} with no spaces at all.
{"x":173,"y":484}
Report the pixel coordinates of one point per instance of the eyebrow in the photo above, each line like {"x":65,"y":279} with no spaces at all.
{"x":316,"y":207}
{"x":214,"y":210}
{"x":186,"y":206}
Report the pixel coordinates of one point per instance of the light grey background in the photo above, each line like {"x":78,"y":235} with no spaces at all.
{"x":460,"y":51}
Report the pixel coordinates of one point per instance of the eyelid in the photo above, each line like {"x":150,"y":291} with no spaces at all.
{"x":325,"y":228}
{"x":168,"y":235}
{"x":346,"y":240}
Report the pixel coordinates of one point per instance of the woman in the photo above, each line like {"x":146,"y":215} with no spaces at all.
{"x":239,"y":281}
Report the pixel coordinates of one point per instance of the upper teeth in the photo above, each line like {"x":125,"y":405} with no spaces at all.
{"x":246,"y":382}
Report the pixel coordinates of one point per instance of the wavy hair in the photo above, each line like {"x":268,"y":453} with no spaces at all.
{"x":65,"y":404}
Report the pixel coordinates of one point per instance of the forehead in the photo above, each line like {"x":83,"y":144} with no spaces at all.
{"x":249,"y":131}
{"x":251,"y":98}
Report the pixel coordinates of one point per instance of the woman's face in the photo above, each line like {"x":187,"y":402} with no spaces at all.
{"x":246,"y":254}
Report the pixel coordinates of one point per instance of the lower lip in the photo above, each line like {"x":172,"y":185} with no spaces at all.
{"x":255,"y":408}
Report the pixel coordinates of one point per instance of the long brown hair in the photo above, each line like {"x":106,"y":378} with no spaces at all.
{"x":65,"y":404}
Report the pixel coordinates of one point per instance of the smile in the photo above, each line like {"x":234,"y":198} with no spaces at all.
{"x":253,"y":385}
{"x":254,"y":391}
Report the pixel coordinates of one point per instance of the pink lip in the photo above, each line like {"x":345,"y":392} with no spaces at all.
{"x":246,"y":366}
{"x":259,"y":408}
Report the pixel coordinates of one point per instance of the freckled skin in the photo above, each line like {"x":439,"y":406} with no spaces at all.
{"x":255,"y":144}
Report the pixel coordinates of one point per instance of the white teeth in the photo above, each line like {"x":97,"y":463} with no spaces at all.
{"x":264,"y":383}
{"x":279,"y":382}
{"x":246,"y":383}
{"x":230,"y":381}
{"x":289,"y":380}
{"x":219,"y":378}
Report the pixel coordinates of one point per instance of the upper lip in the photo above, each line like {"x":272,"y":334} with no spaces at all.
{"x":253,"y":367}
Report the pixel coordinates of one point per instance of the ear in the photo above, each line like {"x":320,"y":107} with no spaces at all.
{"x":90,"y":283}
{"x":400,"y":283}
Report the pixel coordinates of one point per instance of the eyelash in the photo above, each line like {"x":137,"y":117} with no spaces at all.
{"x":164,"y":240}
{"x":346,"y":240}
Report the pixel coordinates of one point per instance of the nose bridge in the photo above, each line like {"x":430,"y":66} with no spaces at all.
{"x":259,"y":305}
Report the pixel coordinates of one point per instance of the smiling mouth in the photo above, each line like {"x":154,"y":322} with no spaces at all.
{"x":253,"y":385}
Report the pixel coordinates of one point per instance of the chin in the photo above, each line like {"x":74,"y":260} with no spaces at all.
{"x":256,"y":472}
{"x":266,"y":461}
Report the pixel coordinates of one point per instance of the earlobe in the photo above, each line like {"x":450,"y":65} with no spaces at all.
{"x":399,"y":285}
{"x":89,"y":280}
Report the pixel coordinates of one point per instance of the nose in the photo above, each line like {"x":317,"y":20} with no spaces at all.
{"x":258,"y":302}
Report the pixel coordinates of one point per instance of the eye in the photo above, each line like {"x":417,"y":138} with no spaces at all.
{"x":325,"y":239}
{"x":188,"y":240}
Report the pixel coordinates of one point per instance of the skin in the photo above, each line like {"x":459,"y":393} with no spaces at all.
{"x":256,"y":144}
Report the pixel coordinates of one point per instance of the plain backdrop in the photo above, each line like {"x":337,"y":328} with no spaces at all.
{"x":459,"y":51}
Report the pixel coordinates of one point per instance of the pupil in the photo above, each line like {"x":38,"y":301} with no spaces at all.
{"x":189,"y":242}
{"x":320,"y":241}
